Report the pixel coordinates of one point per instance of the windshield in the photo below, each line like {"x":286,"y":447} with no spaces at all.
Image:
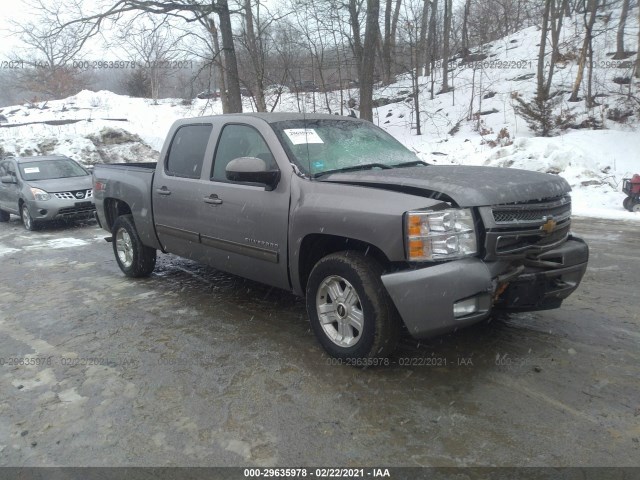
{"x":319,"y":146}
{"x":49,"y":169}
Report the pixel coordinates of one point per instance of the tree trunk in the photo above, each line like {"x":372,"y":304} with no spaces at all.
{"x":231,"y":61}
{"x":368,"y":60}
{"x":422,"y":42}
{"x":218,"y":61}
{"x":386,"y":44}
{"x":256,"y":58}
{"x":638,"y":49}
{"x":356,"y":35}
{"x":445,"y":45}
{"x":540,"y":91}
{"x":431,"y":42}
{"x":620,"y":54}
{"x":557,"y":14}
{"x":465,"y":27}
{"x":591,"y":11}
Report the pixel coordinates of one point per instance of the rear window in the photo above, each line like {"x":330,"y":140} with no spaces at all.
{"x":50,"y":169}
{"x":186,"y":153}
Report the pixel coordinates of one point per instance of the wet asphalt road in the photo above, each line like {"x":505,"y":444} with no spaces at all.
{"x":193,"y":367}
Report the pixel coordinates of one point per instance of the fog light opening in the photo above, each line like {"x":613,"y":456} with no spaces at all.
{"x":466,"y":307}
{"x":42,"y":211}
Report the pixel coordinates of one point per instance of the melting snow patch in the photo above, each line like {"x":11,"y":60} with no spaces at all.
{"x":58,"y":243}
{"x":7,"y":250}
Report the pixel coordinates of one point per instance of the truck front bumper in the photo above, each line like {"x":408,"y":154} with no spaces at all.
{"x":444,"y":297}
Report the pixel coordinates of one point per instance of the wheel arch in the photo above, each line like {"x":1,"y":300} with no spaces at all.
{"x":114,"y":208}
{"x":317,"y":245}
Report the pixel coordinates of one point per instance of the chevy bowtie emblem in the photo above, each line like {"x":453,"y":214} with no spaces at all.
{"x":549,"y":226}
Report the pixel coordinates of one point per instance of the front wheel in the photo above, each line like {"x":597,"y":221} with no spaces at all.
{"x":28,"y":222}
{"x":635,"y":207}
{"x":350,"y":311}
{"x":627,"y":203}
{"x":133,"y":257}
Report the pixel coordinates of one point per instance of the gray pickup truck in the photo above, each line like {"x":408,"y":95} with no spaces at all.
{"x":337,"y":210}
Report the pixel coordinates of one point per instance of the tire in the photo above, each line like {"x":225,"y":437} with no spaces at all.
{"x":134,"y":259}
{"x":627,"y":203}
{"x":365,"y":322}
{"x":4,"y":216}
{"x":635,"y":207}
{"x":27,"y":220}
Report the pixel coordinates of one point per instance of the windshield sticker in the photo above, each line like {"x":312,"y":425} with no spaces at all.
{"x":31,"y":170}
{"x":299,"y":136}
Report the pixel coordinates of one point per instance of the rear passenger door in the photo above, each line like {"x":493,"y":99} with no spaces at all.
{"x":178,"y":189}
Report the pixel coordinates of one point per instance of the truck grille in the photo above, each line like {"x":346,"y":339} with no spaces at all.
{"x":559,"y":209}
{"x":75,"y":194}
{"x":524,"y":228}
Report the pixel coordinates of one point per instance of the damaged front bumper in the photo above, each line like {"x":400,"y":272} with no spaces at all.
{"x":444,"y":297}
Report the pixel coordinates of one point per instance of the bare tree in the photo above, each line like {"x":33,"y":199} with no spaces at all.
{"x":446,"y":37}
{"x":590,"y":20}
{"x":638,"y":49}
{"x":620,"y":53}
{"x":368,"y":59}
{"x":50,"y":54}
{"x":187,"y":10}
{"x":151,"y":40}
{"x":391,"y":15}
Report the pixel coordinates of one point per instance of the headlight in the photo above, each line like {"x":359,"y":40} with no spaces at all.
{"x":39,"y":194}
{"x":440,"y":235}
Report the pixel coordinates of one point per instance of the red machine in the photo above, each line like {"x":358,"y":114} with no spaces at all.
{"x":631,"y":186}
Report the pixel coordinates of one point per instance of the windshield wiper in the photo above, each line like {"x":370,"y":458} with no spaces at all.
{"x":355,"y":168}
{"x":415,"y":163}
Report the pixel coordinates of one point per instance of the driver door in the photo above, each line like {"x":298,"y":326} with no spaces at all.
{"x":244,"y":227}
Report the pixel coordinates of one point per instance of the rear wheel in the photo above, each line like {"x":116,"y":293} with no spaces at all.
{"x":133,"y":257}
{"x":4,"y":216}
{"x":350,"y":311}
{"x":28,"y":222}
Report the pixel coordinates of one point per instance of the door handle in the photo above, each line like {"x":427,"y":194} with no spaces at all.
{"x":213,"y":199}
{"x":163,"y":191}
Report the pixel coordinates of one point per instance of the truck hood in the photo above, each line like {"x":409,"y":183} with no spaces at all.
{"x":465,"y":186}
{"x":62,"y":184}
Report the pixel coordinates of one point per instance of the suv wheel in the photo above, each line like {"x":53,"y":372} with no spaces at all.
{"x":28,"y":222}
{"x":627,"y":203}
{"x":4,"y":216}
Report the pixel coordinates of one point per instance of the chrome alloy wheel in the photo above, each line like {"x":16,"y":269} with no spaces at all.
{"x":340,"y":311}
{"x":124,"y":247}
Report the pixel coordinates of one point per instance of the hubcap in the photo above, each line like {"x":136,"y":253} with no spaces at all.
{"x":340,"y":311}
{"x":26,"y":218}
{"x":124,"y":247}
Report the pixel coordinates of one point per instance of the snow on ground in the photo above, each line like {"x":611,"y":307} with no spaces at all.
{"x":101,"y":126}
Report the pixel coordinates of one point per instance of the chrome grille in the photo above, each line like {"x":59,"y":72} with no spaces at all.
{"x":524,"y":213}
{"x":72,"y":194}
{"x":522,"y":229}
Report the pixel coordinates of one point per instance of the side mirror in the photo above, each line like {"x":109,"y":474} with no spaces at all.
{"x":8,"y":179}
{"x":252,"y":170}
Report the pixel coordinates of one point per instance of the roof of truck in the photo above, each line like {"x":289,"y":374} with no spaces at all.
{"x":282,"y":116}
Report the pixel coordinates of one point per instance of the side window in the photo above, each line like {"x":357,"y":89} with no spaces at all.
{"x":186,"y":153}
{"x":239,"y":141}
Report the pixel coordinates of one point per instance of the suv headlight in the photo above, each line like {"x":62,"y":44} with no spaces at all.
{"x":40,"y":194}
{"x":440,"y":235}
